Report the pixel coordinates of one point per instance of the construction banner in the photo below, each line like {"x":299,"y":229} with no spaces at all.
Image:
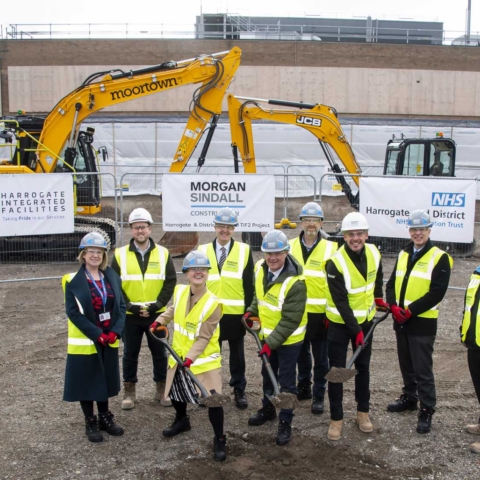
{"x":387,"y":202}
{"x":190,"y":202}
{"x":36,"y":204}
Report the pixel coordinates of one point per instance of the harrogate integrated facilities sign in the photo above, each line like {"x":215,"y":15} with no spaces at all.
{"x":36,"y":204}
{"x":387,"y":203}
{"x":190,"y":202}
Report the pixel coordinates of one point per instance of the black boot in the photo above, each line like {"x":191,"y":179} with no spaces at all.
{"x":106,"y":422}
{"x":425,"y":419}
{"x":219,"y":448}
{"x":284,"y":434}
{"x":266,"y":413}
{"x":240,"y":398}
{"x":318,"y":405}
{"x":404,"y":402}
{"x":304,"y":391}
{"x":179,"y":425}
{"x":91,"y":429}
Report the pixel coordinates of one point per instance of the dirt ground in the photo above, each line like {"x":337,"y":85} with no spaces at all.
{"x":43,"y":437}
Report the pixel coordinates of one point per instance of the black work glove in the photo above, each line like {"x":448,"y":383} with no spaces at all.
{"x":135,"y":309}
{"x":152,"y":308}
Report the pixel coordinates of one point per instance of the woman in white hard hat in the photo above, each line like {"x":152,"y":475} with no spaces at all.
{"x":96,"y":316}
{"x":196,"y":313}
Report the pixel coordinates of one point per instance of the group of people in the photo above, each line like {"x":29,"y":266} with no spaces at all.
{"x":312,"y":300}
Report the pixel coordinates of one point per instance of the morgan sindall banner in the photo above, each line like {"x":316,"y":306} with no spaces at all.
{"x":36,"y":204}
{"x":387,"y":202}
{"x":190,"y":202}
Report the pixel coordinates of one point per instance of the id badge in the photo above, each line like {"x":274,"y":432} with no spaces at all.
{"x":104,"y":316}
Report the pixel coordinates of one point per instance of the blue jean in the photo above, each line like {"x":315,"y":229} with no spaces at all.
{"x":284,"y":365}
{"x":319,"y":349}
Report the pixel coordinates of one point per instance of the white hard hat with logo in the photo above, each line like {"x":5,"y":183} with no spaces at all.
{"x":93,"y":239}
{"x":226,"y":216}
{"x":311,"y":209}
{"x":275,"y":241}
{"x":140,"y":215}
{"x":197,"y":259}
{"x":354,"y":221}
{"x":419,"y":219}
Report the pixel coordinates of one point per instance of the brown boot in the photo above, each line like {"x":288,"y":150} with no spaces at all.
{"x":473,"y":429}
{"x":475,"y":447}
{"x":335,"y":430}
{"x":364,"y":423}
{"x":129,"y":398}
{"x":160,"y":395}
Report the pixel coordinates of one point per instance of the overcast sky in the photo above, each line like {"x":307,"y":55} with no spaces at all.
{"x":182,"y":12}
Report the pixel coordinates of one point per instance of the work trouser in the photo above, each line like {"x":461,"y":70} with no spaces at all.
{"x":284,"y":365}
{"x":132,"y":339}
{"x":319,"y":350}
{"x":415,"y":356}
{"x":474,"y":367}
{"x":339,"y":337}
{"x":237,"y":362}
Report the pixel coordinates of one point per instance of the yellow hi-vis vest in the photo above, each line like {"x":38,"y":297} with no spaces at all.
{"x":187,"y":329}
{"x":469,"y":300}
{"x":141,"y":289}
{"x":314,"y":272}
{"x":270,"y":305}
{"x":228,"y":285}
{"x":361,"y":291}
{"x":420,"y":278}
{"x":78,"y":343}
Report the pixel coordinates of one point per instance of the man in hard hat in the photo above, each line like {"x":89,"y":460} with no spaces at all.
{"x":279,"y":301}
{"x":355,"y":282}
{"x":148,"y":280}
{"x":311,"y":251}
{"x":231,"y":280}
{"x":417,"y":285}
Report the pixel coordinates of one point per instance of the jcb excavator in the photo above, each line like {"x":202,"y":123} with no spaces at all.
{"x":417,"y":156}
{"x":55,"y":143}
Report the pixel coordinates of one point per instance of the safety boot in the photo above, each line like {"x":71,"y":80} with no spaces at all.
{"x":240,"y":398}
{"x":475,"y":447}
{"x":160,"y":395}
{"x":106,"y":422}
{"x":425,"y":419}
{"x":364,"y":423}
{"x":284,"y":434}
{"x":473,"y":429}
{"x":335,"y":430}
{"x":91,"y":429}
{"x":304,"y":391}
{"x":129,"y":396}
{"x":179,"y":425}
{"x":402,"y":403}
{"x":318,"y":405}
{"x":266,"y":413}
{"x":219,"y":448}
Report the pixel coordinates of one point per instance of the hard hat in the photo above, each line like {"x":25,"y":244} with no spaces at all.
{"x":354,"y":221}
{"x":226,"y":216}
{"x":140,"y":215}
{"x":195,"y":258}
{"x":275,"y":241}
{"x":93,"y":239}
{"x":311,"y":209}
{"x":419,"y":219}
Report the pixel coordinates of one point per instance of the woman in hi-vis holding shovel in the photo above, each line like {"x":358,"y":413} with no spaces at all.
{"x":196,"y":314}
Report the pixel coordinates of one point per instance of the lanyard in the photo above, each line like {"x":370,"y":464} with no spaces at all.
{"x":103,"y":292}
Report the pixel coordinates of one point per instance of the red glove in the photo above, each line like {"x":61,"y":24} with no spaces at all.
{"x":326,"y":323}
{"x":154,"y":326}
{"x":400,"y":315}
{"x":381,"y":305}
{"x":112,"y":337}
{"x":246,"y":317}
{"x":187,"y":363}
{"x":265,"y":350}
{"x":103,"y":339}
{"x":359,"y":339}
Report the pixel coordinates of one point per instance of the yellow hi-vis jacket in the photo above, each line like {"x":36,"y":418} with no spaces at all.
{"x":361,"y":291}
{"x":228,"y":285}
{"x":469,"y":301}
{"x":314,"y":272}
{"x":78,"y":343}
{"x":418,"y":283}
{"x":270,"y":305}
{"x":187,"y":329}
{"x":141,"y":289}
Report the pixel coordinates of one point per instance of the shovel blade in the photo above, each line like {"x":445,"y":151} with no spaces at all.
{"x":216,"y":400}
{"x":340,"y":375}
{"x":284,"y":400}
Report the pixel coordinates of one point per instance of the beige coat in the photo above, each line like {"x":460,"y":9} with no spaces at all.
{"x":211,"y":380}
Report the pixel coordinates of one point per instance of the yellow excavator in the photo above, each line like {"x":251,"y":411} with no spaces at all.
{"x":56,"y":143}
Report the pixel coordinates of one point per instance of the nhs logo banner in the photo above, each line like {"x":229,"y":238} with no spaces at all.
{"x":388,"y":201}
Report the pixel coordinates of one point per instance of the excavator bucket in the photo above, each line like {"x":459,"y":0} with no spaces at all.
{"x":179,"y":243}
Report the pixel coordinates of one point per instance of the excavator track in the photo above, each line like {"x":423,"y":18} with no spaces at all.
{"x":107,"y":225}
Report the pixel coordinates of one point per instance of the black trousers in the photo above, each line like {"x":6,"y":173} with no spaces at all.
{"x":338,"y":340}
{"x":415,"y":356}
{"x":474,"y":367}
{"x":237,"y":362}
{"x":319,"y":349}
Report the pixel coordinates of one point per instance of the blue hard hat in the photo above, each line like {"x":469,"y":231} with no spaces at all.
{"x":275,"y":241}
{"x":93,"y":239}
{"x":226,"y":216}
{"x":311,"y":209}
{"x":196,"y":258}
{"x":419,"y":219}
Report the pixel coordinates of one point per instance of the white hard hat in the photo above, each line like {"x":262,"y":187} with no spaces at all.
{"x":93,"y":239}
{"x":311,"y":209}
{"x":140,"y":215}
{"x":275,"y":241}
{"x":419,"y":219}
{"x":354,"y":221}
{"x":195,"y":258}
{"x":226,"y":216}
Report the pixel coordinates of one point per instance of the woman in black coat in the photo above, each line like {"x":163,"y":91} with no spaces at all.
{"x":96,"y":317}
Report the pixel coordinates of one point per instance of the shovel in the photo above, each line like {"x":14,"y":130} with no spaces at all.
{"x":212,"y":399}
{"x":342,"y":375}
{"x":285,"y":400}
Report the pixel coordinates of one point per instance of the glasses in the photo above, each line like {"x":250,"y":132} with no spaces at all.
{"x":198,"y":269}
{"x":225,"y":227}
{"x":315,"y":221}
{"x":355,"y":234}
{"x":140,"y":228}
{"x":420,"y":229}
{"x":94,"y":252}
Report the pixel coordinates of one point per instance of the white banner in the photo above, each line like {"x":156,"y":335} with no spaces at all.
{"x":36,"y":204}
{"x":190,"y":202}
{"x":387,"y":202}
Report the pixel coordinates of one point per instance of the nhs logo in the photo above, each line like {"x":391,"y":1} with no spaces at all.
{"x":443,"y":199}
